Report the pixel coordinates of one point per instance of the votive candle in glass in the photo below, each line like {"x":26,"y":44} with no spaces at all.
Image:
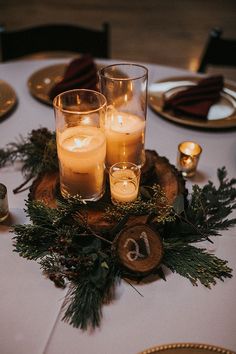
{"x":188,"y":156}
{"x":124,"y":182}
{"x":125,"y":88}
{"x":4,"y":211}
{"x":81,"y":143}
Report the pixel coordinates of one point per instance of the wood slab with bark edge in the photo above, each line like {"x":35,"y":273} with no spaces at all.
{"x":139,"y":249}
{"x":157,"y":169}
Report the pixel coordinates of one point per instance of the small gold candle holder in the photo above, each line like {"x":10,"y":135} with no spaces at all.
{"x":188,"y":156}
{"x":4,"y":211}
{"x":124,"y":182}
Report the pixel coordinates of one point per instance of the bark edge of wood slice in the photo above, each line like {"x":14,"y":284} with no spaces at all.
{"x":157,"y":169}
{"x":139,"y":249}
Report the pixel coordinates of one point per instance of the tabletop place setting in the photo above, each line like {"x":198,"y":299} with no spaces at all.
{"x":121,"y":181}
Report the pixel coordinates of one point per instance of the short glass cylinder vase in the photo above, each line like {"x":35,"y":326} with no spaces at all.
{"x":124,"y":182}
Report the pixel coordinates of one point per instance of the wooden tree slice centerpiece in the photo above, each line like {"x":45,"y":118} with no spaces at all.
{"x":138,"y":247}
{"x":157,"y":169}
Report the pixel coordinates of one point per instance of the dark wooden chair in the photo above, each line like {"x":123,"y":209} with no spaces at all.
{"x":218,"y":51}
{"x":54,"y":37}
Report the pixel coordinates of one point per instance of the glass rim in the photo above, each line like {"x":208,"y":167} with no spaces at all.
{"x":130,"y":166}
{"x":134,"y":77}
{"x":190,"y":142}
{"x":96,"y":93}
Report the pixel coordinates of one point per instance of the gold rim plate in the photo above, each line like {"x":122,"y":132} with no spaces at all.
{"x":221,"y":115}
{"x":42,"y":81}
{"x":187,"y":348}
{"x":8,"y":98}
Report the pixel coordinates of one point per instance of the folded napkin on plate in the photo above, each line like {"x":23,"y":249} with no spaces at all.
{"x":197,"y":100}
{"x":80,"y":73}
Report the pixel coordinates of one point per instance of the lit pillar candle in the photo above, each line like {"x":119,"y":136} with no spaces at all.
{"x":81,"y":143}
{"x":81,"y":153}
{"x":188,"y":157}
{"x":125,"y":138}
{"x":125,"y":88}
{"x":124,"y":182}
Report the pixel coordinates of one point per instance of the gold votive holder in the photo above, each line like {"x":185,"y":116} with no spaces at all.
{"x":124,"y":182}
{"x":4,"y":211}
{"x":188,"y":156}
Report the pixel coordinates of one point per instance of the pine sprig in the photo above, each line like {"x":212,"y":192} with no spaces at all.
{"x":37,"y":152}
{"x":70,"y":251}
{"x":151,"y":201}
{"x":209,"y":206}
{"x":32,"y":241}
{"x":195,"y":264}
{"x":84,"y":301}
{"x":85,"y":304}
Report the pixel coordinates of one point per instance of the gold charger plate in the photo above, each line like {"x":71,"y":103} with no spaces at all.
{"x":187,"y":348}
{"x":42,"y":81}
{"x":8,"y":98}
{"x":221,"y":115}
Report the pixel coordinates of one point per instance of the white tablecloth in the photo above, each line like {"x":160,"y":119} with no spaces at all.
{"x":168,"y":312}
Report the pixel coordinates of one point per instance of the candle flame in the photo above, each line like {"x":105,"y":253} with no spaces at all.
{"x":82,"y":142}
{"x":120,"y":120}
{"x":125,"y":184}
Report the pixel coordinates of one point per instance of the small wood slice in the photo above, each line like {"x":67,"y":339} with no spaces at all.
{"x":139,"y":249}
{"x":44,"y":187}
{"x":157,"y":169}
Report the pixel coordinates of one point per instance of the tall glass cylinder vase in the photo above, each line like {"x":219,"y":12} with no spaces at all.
{"x":81,"y":143}
{"x":125,"y":88}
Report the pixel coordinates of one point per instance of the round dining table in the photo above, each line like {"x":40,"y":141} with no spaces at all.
{"x":171,"y":311}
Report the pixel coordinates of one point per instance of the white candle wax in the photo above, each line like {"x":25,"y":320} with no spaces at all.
{"x":81,"y":153}
{"x":124,"y":186}
{"x":125,"y":138}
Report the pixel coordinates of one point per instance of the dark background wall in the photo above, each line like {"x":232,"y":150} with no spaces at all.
{"x":168,"y":32}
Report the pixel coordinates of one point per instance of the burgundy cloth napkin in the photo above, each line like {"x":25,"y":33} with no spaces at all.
{"x":80,"y":73}
{"x":197,"y":100}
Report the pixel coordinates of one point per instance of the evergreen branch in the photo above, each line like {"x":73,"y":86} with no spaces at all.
{"x":155,"y":204}
{"x":83,"y":314}
{"x":41,"y":214}
{"x":195,"y":264}
{"x":22,"y":185}
{"x":37,"y":152}
{"x":83,"y":305}
{"x":32,"y":241}
{"x":54,"y":268}
{"x":207,"y":210}
{"x":69,"y":250}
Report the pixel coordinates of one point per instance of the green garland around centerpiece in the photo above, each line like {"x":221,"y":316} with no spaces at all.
{"x":70,"y":251}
